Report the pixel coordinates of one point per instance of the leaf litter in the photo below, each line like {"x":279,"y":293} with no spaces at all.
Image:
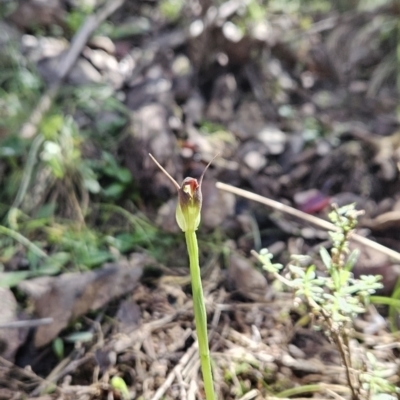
{"x":302,"y":108}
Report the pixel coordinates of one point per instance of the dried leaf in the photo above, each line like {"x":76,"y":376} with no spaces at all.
{"x":69,"y":296}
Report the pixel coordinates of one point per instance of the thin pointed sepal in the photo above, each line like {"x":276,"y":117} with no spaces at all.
{"x":176,"y":184}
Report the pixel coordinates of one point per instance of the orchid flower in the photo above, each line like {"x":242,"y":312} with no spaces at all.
{"x":190,"y":199}
{"x":188,"y":218}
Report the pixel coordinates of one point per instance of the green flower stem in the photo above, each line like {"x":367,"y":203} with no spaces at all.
{"x":200,"y":313}
{"x":23,"y":240}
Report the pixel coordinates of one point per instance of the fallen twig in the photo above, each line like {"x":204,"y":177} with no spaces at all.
{"x":306,"y":217}
{"x":176,"y":371}
{"x":31,"y":323}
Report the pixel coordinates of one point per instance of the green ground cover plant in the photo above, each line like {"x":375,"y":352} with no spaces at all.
{"x":334,"y":298}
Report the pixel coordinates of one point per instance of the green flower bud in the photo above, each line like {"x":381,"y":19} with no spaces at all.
{"x":189,"y":205}
{"x":189,"y":199}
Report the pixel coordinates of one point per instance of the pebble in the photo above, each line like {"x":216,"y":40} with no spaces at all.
{"x":103,"y":43}
{"x":37,"y":48}
{"x":255,"y":161}
{"x":273,"y":138}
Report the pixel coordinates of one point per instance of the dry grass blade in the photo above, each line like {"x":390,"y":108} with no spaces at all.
{"x":250,"y":395}
{"x":176,"y":371}
{"x":175,"y":183}
{"x":33,"y":323}
{"x":276,"y":205}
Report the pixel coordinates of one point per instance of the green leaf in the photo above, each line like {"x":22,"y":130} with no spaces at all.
{"x":58,"y":348}
{"x":94,"y":258}
{"x":46,"y":211}
{"x":294,"y":269}
{"x":351,"y":260}
{"x":11,"y":279}
{"x":114,"y":190}
{"x":344,"y":277}
{"x":53,"y":264}
{"x":317,"y":289}
{"x":124,"y":175}
{"x":123,"y":242}
{"x":310,"y":273}
{"x":394,"y":306}
{"x":81,"y":337}
{"x":51,"y":125}
{"x":387,"y":301}
{"x":326,"y":258}
{"x":92,"y":185}
{"x":336,"y":278}
{"x":171,"y":9}
{"x":50,"y":266}
{"x":119,"y":384}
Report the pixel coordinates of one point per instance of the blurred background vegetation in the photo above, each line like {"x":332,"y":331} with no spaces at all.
{"x":68,"y":200}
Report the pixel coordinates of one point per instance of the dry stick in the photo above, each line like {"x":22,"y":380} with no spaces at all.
{"x":78,"y":42}
{"x":27,"y":373}
{"x":183,"y":361}
{"x":68,"y":364}
{"x":31,"y":323}
{"x":307,"y":217}
{"x":250,"y":395}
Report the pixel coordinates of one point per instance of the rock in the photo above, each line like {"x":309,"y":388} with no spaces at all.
{"x":128,"y":316}
{"x":248,"y":120}
{"x":149,"y":133}
{"x":166,"y":219}
{"x":217,"y":205}
{"x":82,"y":73}
{"x":244,"y":278}
{"x":102,"y":43}
{"x":232,"y":32}
{"x":252,"y":153}
{"x":150,"y":125}
{"x":181,"y":65}
{"x":154,"y":87}
{"x":107,"y":64}
{"x":221,"y":106}
{"x":194,"y":108}
{"x":273,"y":138}
{"x":38,"y":48}
{"x":255,"y":161}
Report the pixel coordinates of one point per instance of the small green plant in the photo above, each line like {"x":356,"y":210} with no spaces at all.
{"x":188,"y":215}
{"x":336,"y":298}
{"x":58,"y":348}
{"x":119,"y":385}
{"x":120,"y":177}
{"x":171,"y":9}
